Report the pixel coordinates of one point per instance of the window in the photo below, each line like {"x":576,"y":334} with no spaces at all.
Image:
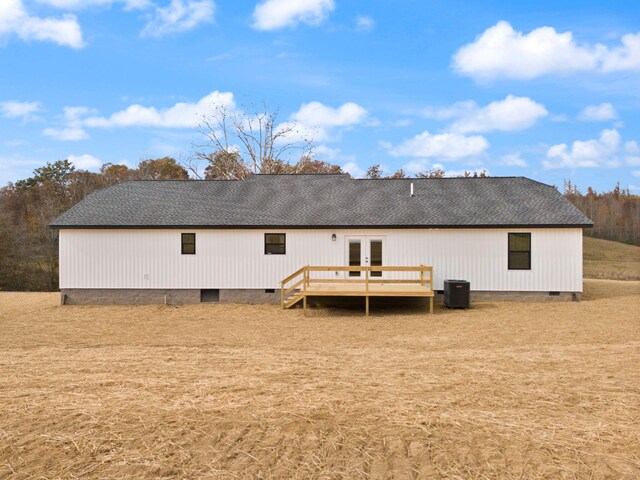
{"x":274,"y":244}
{"x":519,"y":251}
{"x":188,"y":243}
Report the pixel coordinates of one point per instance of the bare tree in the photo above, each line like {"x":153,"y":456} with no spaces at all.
{"x":239,"y":144}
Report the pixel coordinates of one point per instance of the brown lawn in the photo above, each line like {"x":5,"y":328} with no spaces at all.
{"x":613,"y":260}
{"x":504,"y":390}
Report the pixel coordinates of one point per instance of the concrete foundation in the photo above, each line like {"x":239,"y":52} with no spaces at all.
{"x":484,"y":296}
{"x":249,"y":295}
{"x":143,"y":296}
{"x":100,"y":296}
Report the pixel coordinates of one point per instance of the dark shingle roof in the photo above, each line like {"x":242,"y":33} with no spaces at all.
{"x":297,"y":201}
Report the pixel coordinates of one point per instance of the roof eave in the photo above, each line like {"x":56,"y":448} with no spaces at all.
{"x":311,"y":227}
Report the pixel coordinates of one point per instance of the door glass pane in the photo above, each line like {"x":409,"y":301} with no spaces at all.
{"x":375,"y":256}
{"x":354,"y":256}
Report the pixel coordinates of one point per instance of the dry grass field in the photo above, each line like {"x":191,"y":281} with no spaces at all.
{"x":504,"y":390}
{"x":612,"y":260}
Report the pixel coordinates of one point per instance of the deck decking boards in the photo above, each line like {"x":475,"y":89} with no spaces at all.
{"x":357,"y":287}
{"x":359,"y":290}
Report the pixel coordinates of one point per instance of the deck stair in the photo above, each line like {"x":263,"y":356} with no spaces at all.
{"x":368,"y":282}
{"x":292,"y":300}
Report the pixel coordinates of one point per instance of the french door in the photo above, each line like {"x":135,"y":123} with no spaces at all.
{"x":365,"y":251}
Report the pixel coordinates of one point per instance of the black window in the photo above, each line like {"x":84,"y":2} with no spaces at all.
{"x":188,"y":243}
{"x":274,"y":244}
{"x":519,"y":251}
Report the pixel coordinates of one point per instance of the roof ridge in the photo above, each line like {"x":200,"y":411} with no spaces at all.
{"x":446,"y":178}
{"x":320,"y":174}
{"x":178,"y":180}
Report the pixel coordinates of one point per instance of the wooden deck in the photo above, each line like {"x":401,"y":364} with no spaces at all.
{"x":293,"y":291}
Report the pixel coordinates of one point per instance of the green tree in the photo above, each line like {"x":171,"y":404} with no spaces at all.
{"x":58,"y":172}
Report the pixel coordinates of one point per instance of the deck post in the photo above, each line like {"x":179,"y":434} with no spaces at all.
{"x":282,"y":295}
{"x":304,"y":305}
{"x":366,"y":289}
{"x":431,"y":305}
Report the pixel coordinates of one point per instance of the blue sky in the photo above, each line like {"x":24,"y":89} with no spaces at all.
{"x":545,"y":89}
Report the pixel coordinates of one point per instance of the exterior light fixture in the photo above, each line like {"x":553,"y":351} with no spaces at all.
{"x":333,"y":237}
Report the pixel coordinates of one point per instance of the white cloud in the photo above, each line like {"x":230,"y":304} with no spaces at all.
{"x":353,"y":169}
{"x":80,"y":4}
{"x":73,"y":114}
{"x":324,"y":153}
{"x":417,"y":166}
{"x":15,"y":20}
{"x":180,"y":115}
{"x":23,"y":110}
{"x":402,"y":122}
{"x":72,"y":131}
{"x":85,"y":162}
{"x":314,"y":120}
{"x":502,"y":52}
{"x":636,"y":173}
{"x":445,"y":146}
{"x":632,"y":147}
{"x":66,"y":134}
{"x":513,"y":160}
{"x":458,"y":109}
{"x":364,"y":23}
{"x":597,"y":113}
{"x":303,"y":133}
{"x":589,"y":153}
{"x":275,"y":14}
{"x":316,"y":114}
{"x":512,"y":113}
{"x":625,"y":57}
{"x":178,"y":16}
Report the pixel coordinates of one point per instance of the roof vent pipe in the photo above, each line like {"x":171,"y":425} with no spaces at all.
{"x":412,"y":189}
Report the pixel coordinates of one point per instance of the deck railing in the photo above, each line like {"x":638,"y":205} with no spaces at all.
{"x":297,"y":284}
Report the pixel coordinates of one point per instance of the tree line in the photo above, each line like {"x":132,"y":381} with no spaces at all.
{"x":615,"y":214}
{"x":29,"y":248}
{"x":238,"y":145}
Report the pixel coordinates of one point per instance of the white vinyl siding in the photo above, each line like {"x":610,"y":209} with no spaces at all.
{"x":235,"y":258}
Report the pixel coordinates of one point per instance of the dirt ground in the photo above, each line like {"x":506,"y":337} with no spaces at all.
{"x":503,"y":390}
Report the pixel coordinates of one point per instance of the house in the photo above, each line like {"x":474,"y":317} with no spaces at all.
{"x":234,"y":241}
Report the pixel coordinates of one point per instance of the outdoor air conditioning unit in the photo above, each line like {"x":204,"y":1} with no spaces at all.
{"x":456,"y":293}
